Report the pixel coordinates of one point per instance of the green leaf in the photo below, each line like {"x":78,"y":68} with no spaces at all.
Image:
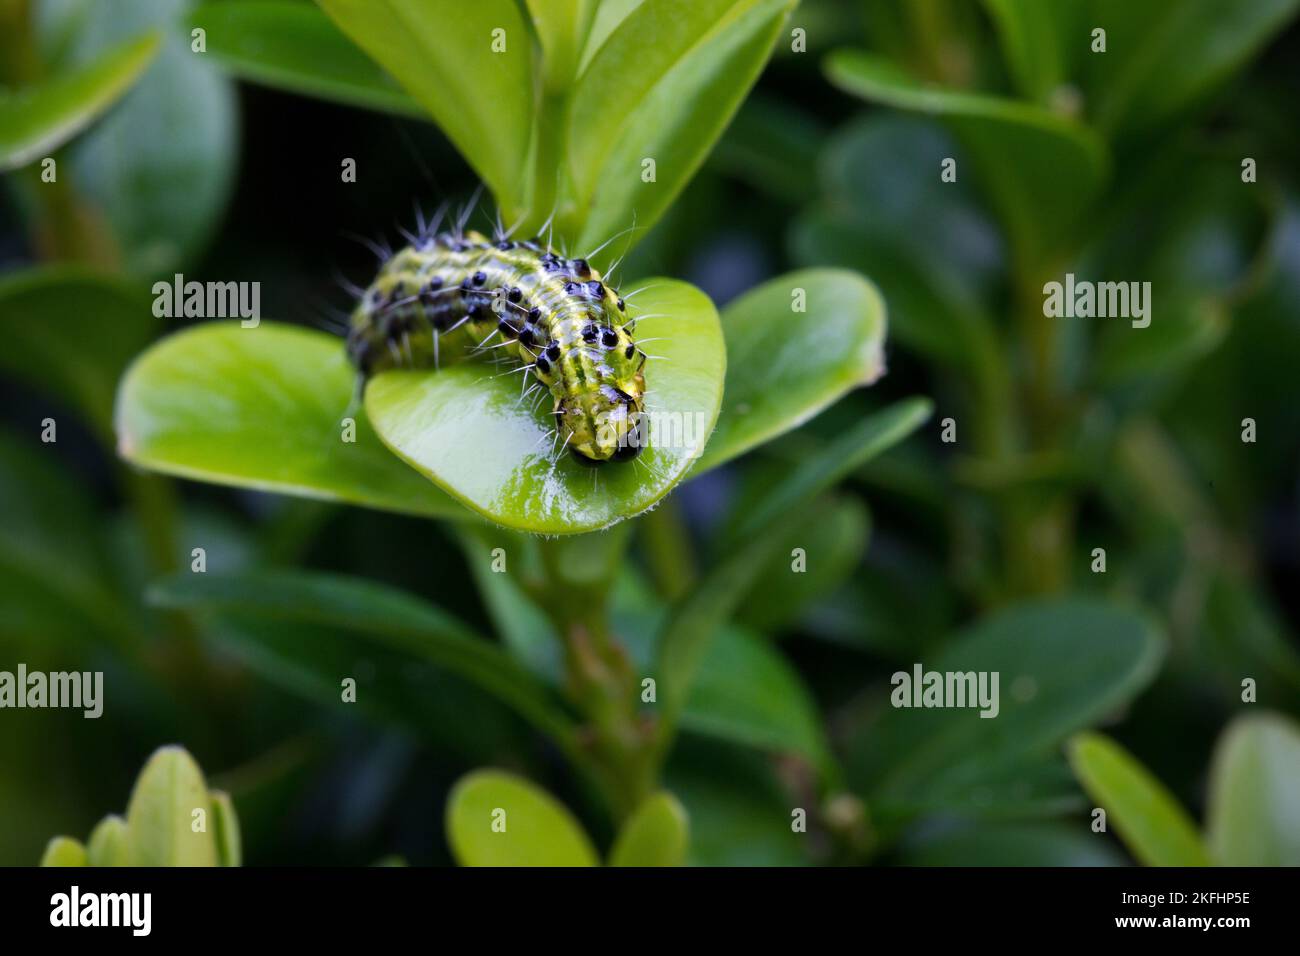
{"x":657,"y":834}
{"x":262,"y":408}
{"x":1253,"y":816}
{"x":1061,"y":665}
{"x":36,"y":121}
{"x":785,"y":365}
{"x":64,"y":851}
{"x":663,"y":86}
{"x":746,"y":692}
{"x":1160,"y":61}
{"x":71,"y":332}
{"x":443,"y":54}
{"x":393,"y":618}
{"x":1040,"y":170}
{"x":167,"y":792}
{"x":833,"y":544}
{"x":465,"y":427}
{"x":225,"y":830}
{"x":110,"y":843}
{"x":294,"y":46}
{"x":562,"y":26}
{"x":498,"y":819}
{"x":1040,"y":41}
{"x":695,"y":620}
{"x":161,"y":167}
{"x":1147,"y":817}
{"x":934,"y":252}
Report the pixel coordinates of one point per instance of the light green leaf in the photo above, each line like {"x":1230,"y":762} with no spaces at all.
{"x":465,"y":427}
{"x":159,"y":817}
{"x":498,"y":819}
{"x":110,"y":843}
{"x":1040,"y":170}
{"x":785,"y":365}
{"x":70,"y":332}
{"x":562,"y":26}
{"x":1147,"y":817}
{"x":443,"y":54}
{"x":225,"y":830}
{"x":64,"y":851}
{"x":1060,"y":665}
{"x":662,"y":86}
{"x":657,"y":834}
{"x":36,"y":121}
{"x":263,"y":408}
{"x":294,"y":46}
{"x":1253,"y":816}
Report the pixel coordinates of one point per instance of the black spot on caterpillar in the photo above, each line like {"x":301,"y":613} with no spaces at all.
{"x":452,"y":295}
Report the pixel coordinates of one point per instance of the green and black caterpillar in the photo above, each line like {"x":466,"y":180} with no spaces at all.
{"x":448,"y":295}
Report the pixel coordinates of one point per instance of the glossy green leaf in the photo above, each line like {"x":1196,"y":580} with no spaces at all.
{"x":662,"y":86}
{"x":1061,"y":665}
{"x":1148,"y":818}
{"x":294,"y":46}
{"x":498,"y":819}
{"x":1040,"y":170}
{"x":443,"y":55}
{"x":794,"y":345}
{"x":36,"y":121}
{"x":64,"y":851}
{"x":70,"y":332}
{"x":1161,"y":60}
{"x":657,"y":834}
{"x":161,"y":167}
{"x":225,"y":830}
{"x":109,"y":843}
{"x":161,"y":812}
{"x":465,"y":427}
{"x":263,"y":408}
{"x":392,"y":618}
{"x":1253,"y":815}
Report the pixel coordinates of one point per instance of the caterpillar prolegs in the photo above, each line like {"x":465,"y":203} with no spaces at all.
{"x":448,"y":296}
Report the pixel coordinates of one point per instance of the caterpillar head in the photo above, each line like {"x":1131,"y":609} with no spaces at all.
{"x":606,"y":418}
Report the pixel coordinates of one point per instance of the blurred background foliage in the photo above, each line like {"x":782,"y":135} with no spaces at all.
{"x":1072,"y":435}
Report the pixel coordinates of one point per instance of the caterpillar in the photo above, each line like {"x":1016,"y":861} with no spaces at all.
{"x":446,"y":295}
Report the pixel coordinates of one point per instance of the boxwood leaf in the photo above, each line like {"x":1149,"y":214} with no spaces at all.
{"x":262,"y":408}
{"x":37,"y":120}
{"x":657,"y":834}
{"x":498,"y":819}
{"x":294,"y":46}
{"x":1253,"y":816}
{"x":1147,"y":817}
